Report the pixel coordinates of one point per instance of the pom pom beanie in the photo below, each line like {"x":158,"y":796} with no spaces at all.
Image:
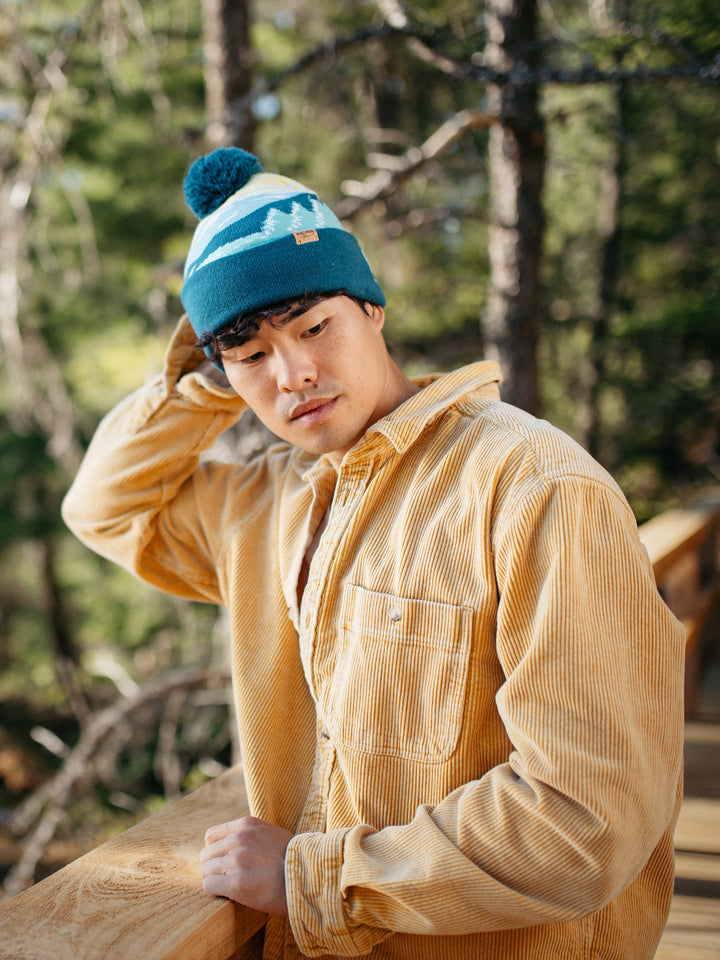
{"x":262,"y":239}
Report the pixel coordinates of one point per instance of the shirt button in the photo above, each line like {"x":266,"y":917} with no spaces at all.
{"x":325,"y":733}
{"x":395,"y":614}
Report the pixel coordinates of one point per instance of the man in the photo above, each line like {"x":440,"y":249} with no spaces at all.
{"x":458,"y":691}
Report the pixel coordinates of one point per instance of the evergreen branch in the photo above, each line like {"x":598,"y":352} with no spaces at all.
{"x":522,"y":76}
{"x":331,"y":48}
{"x":382,"y":183}
{"x":397,"y":16}
{"x":421,"y":44}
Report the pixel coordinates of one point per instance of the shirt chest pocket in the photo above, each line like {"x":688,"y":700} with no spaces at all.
{"x":400,"y":678}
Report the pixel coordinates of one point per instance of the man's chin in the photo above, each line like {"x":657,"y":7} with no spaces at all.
{"x":319,"y":444}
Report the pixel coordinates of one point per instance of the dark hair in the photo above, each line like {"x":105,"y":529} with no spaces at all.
{"x":246,"y":325}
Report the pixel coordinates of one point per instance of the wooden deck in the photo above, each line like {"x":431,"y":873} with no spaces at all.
{"x":693,"y":928}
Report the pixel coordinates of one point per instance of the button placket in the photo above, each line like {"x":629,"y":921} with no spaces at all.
{"x":348,"y":492}
{"x":314,"y":816}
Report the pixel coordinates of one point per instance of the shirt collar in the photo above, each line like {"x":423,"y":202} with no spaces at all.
{"x":467,"y":388}
{"x":464,"y":387}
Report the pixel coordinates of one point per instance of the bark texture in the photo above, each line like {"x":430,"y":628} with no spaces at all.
{"x":228,"y":73}
{"x":511,"y":320}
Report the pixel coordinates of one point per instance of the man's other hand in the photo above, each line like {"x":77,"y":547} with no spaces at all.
{"x":244,"y":860}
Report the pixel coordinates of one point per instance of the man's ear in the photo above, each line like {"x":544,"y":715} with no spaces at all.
{"x":376,"y":314}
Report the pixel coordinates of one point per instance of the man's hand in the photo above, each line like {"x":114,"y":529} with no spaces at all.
{"x":244,"y":860}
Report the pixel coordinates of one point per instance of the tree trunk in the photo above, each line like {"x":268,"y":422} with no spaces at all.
{"x":66,"y":654}
{"x":228,"y":73}
{"x":511,"y":320}
{"x":609,"y":230}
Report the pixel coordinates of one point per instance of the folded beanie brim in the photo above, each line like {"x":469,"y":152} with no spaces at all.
{"x":284,"y":269}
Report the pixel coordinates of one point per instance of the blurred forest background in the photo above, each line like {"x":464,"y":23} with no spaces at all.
{"x":537,"y":180}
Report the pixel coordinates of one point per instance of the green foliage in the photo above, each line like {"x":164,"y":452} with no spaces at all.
{"x":657,"y":349}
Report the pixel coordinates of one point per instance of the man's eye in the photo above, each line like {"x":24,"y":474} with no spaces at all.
{"x":253,"y":358}
{"x":314,"y":331}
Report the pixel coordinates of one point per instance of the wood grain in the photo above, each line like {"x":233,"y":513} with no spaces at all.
{"x":138,"y":895}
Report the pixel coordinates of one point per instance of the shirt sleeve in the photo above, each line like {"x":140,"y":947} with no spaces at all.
{"x":141,"y":496}
{"x":592,"y":704}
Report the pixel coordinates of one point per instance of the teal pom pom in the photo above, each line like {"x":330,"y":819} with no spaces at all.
{"x":217,"y":176}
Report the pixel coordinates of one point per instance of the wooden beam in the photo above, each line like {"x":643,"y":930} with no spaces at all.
{"x":674,"y":533}
{"x":138,"y":895}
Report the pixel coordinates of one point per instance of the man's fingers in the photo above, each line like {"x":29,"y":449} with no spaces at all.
{"x":216,"y":865}
{"x":222,"y":830}
{"x":217,"y":885}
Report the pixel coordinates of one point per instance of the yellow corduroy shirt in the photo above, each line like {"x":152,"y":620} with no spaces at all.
{"x":473,"y":723}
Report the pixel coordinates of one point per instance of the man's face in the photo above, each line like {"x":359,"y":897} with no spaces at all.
{"x":319,"y":380}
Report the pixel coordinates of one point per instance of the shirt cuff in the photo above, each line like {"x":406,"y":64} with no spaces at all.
{"x":313,"y":867}
{"x":181,"y":376}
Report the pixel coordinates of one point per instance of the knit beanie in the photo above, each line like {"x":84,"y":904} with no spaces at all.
{"x":262,"y":239}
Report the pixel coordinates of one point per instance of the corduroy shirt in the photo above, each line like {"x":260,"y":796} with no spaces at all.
{"x":473,"y":721}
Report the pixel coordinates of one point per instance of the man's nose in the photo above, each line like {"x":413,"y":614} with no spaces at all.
{"x":295,"y":370}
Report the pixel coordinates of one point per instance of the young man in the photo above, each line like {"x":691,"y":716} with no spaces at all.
{"x":458,"y":691}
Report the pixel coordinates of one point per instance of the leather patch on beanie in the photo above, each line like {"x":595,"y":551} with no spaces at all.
{"x":306,"y":236}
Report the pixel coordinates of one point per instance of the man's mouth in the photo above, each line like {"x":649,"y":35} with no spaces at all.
{"x":313,"y":411}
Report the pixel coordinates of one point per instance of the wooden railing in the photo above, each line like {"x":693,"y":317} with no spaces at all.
{"x":140,"y":895}
{"x":684,"y":549}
